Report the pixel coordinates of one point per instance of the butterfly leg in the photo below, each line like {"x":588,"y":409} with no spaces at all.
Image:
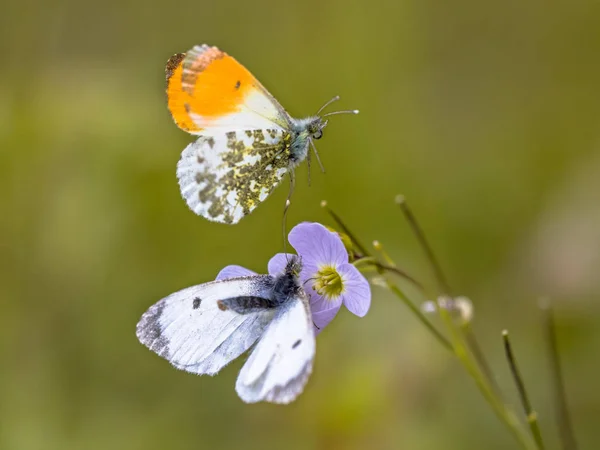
{"x":285,"y":210}
{"x":308,"y":164}
{"x":312,"y":144}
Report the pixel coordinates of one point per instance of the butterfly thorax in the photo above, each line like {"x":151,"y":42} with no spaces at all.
{"x":287,"y":284}
{"x":303,"y":130}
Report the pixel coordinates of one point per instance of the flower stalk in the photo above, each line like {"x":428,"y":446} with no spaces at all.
{"x":420,"y":235}
{"x":462,"y":341}
{"x":506,"y":416}
{"x":381,"y":268}
{"x":563,"y":419}
{"x":345,"y":229}
{"x":530,"y":414}
{"x":444,"y":287}
{"x":419,"y":315}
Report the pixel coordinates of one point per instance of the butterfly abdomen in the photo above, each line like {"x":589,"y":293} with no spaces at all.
{"x":246,"y":304}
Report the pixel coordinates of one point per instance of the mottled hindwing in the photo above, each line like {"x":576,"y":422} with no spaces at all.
{"x":223,"y":177}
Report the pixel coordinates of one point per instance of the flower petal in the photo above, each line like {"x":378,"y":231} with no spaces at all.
{"x":319,"y":303}
{"x":357,"y":292}
{"x":322,"y":310}
{"x":322,"y":318}
{"x":317,"y":245}
{"x":234,"y":271}
{"x":278,"y":262}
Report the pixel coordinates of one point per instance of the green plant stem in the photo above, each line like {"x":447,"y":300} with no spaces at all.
{"x":419,"y":314}
{"x":504,"y":414}
{"x":530,"y":414}
{"x":420,"y":235}
{"x":463,"y":351}
{"x":478,"y":354}
{"x":391,"y":286}
{"x":345,"y":229}
{"x":371,"y":260}
{"x":563,"y":418}
{"x":444,"y":287}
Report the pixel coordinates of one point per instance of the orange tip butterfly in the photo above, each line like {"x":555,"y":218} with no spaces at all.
{"x":246,"y":141}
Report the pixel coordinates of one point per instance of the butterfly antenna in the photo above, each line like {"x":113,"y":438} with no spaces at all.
{"x":334,"y":99}
{"x":347,"y":111}
{"x":312,"y":144}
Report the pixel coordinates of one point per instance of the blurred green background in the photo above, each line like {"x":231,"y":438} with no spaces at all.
{"x":484,"y":114}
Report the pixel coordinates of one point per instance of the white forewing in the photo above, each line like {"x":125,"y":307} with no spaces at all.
{"x":260,"y":111}
{"x":245,"y":118}
{"x":262,"y":104}
{"x":281,"y":363}
{"x":189,"y":330}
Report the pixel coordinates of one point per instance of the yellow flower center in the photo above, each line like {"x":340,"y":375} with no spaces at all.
{"x":328,"y":283}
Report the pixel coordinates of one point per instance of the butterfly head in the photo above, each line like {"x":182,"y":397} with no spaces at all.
{"x":293,"y":266}
{"x":315,"y":127}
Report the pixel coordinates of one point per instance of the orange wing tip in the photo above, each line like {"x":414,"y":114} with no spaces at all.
{"x":204,"y":52}
{"x":177,"y":99}
{"x":206,"y":84}
{"x":195,"y":62}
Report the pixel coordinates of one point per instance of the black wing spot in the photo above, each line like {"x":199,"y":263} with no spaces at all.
{"x":238,"y":84}
{"x":196,"y":303}
{"x":297,"y":343}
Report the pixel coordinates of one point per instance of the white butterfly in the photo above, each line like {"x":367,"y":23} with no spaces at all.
{"x":202,"y":328}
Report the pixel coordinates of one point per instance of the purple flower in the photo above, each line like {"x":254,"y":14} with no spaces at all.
{"x":327,"y":276}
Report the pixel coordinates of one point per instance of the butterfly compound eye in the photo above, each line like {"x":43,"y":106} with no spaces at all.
{"x":317,"y":134}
